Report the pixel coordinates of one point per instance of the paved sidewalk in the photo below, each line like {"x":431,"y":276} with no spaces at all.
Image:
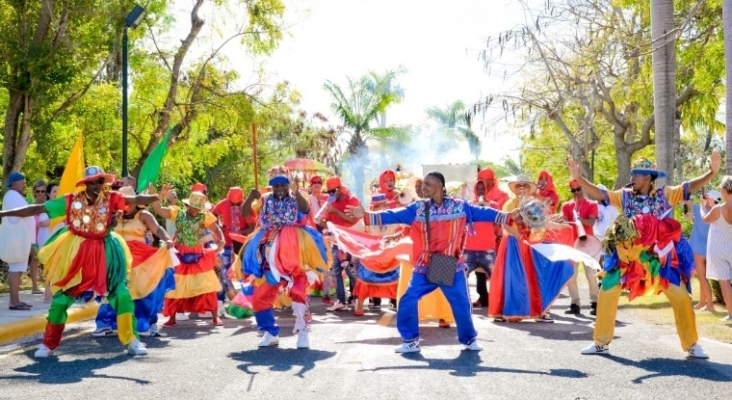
{"x":16,"y":324}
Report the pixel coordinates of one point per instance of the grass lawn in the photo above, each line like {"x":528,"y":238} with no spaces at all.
{"x":657,"y":310}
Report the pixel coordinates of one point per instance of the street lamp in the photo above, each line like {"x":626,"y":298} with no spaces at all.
{"x":132,"y":20}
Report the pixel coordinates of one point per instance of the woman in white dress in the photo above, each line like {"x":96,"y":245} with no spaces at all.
{"x":719,"y":243}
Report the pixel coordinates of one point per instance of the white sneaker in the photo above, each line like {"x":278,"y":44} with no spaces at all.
{"x":154,"y":330}
{"x":303,"y":340}
{"x":137,"y":348}
{"x":473,"y":346}
{"x":696,"y":351}
{"x":726,"y":318}
{"x":595,"y":349}
{"x":409,"y":347}
{"x":43,"y":352}
{"x":104,"y":332}
{"x":222,"y":309}
{"x":337,"y":306}
{"x":269,"y":340}
{"x":181,"y":317}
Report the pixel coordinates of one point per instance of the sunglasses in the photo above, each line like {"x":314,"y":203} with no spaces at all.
{"x":97,"y":182}
{"x":316,"y":182}
{"x":40,"y":191}
{"x":575,"y":190}
{"x":332,"y":191}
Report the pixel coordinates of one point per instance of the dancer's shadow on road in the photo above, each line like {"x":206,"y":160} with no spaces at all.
{"x":574,"y":328}
{"x":280,"y":360}
{"x":467,"y":364}
{"x":668,"y":367}
{"x":52,"y":371}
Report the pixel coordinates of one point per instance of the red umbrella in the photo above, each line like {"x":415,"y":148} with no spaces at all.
{"x":305,"y":165}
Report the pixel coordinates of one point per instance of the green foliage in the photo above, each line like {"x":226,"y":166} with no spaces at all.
{"x":454,"y":123}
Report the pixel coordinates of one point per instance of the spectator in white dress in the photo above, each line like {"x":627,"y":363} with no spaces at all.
{"x":719,"y":244}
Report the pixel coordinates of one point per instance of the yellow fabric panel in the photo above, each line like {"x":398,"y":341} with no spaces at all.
{"x":125,"y":249}
{"x":433,"y":305}
{"x":125,"y":331}
{"x":511,"y":204}
{"x":309,"y":252}
{"x":145,"y":277}
{"x":209,"y":220}
{"x":187,"y":286}
{"x":674,"y":194}
{"x":57,"y":257}
{"x":616,"y":198}
{"x":173,"y":212}
{"x":627,"y":252}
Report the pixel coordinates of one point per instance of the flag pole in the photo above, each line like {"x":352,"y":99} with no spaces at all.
{"x":254,"y":147}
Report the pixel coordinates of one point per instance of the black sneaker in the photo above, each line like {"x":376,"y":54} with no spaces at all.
{"x":573,"y":309}
{"x":593,"y":308}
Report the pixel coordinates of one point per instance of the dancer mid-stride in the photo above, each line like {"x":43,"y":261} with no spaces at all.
{"x":283,"y":252}
{"x":645,"y":251}
{"x":84,"y":258}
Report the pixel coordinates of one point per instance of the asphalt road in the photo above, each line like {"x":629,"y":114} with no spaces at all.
{"x":353,"y":358}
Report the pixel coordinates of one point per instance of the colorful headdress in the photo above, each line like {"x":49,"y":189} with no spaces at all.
{"x":644,"y":166}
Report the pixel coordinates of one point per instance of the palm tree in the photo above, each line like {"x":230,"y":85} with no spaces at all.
{"x":359,"y":107}
{"x":727,"y":23}
{"x":663,"y":41}
{"x":455,"y":122}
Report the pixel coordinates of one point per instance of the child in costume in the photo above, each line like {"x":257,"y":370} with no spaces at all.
{"x":84,"y":258}
{"x":282,"y":252}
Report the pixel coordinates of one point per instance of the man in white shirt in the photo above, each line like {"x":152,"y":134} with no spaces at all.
{"x":606,"y":214}
{"x":14,"y":198}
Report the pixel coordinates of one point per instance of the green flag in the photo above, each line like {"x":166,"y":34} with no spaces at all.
{"x":151,"y":168}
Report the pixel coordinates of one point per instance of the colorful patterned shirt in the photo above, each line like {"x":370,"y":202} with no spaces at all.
{"x":277,"y":213}
{"x":660,"y":201}
{"x":189,"y":230}
{"x":448,"y":225}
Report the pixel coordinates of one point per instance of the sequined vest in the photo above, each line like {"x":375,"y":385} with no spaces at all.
{"x":89,"y":221}
{"x":656,"y":204}
{"x":278,"y":213}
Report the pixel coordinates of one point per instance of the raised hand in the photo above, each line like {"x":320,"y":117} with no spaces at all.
{"x":255,"y":194}
{"x":573,"y":168}
{"x":355,"y":211}
{"x":716,"y":162}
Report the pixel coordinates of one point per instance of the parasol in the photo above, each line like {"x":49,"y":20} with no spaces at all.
{"x":306,"y":165}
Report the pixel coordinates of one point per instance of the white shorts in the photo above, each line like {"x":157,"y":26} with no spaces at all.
{"x":18,"y":267}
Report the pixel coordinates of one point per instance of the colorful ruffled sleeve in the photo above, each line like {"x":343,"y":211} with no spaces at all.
{"x":209,"y":220}
{"x":614,"y":197}
{"x":676,"y":194}
{"x":404,"y":216}
{"x":56,"y":208}
{"x":173,"y":212}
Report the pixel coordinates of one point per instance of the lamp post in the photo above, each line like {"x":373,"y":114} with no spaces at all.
{"x":132,"y":20}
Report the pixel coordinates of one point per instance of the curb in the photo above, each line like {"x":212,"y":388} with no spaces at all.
{"x":37,"y":324}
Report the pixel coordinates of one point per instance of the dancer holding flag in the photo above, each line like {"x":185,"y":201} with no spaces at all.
{"x":86,"y":258}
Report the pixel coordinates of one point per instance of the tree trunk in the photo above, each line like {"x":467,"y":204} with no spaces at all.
{"x":727,"y":23}
{"x":664,"y":83}
{"x":17,"y":131}
{"x":678,"y":157}
{"x":622,"y":159}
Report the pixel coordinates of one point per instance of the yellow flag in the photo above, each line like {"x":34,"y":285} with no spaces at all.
{"x":73,"y":173}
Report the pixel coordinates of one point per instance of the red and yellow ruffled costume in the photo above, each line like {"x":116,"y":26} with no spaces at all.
{"x":196,"y":282}
{"x":85,"y":258}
